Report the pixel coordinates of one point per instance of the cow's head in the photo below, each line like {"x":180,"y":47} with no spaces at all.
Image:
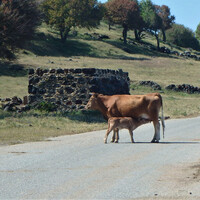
{"x":93,"y":103}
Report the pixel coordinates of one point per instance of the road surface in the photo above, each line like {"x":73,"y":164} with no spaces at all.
{"x":83,"y":167}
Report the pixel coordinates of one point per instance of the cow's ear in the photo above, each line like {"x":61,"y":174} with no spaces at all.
{"x":93,"y":94}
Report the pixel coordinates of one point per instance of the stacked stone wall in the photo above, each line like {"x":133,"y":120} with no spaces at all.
{"x":69,"y":89}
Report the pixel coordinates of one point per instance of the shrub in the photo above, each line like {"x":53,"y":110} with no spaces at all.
{"x":182,"y":36}
{"x":197,"y":33}
{"x":46,"y":106}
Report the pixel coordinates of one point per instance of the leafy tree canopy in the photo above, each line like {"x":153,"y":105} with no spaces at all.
{"x":123,"y":12}
{"x":19,"y":19}
{"x":197,"y":33}
{"x":167,"y":19}
{"x":152,"y":21}
{"x":65,"y":14}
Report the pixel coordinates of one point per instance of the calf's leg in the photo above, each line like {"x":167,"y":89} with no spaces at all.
{"x":106,"y":135}
{"x":131,"y":135}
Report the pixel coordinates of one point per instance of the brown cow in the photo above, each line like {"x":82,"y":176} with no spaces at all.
{"x":117,"y":123}
{"x":136,"y":106}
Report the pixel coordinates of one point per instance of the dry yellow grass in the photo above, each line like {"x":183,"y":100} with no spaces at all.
{"x":36,"y":126}
{"x":163,"y":70}
{"x":13,"y":86}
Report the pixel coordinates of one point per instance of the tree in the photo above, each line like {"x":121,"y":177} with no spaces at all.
{"x":197,"y":32}
{"x":167,"y":19}
{"x":65,"y":14}
{"x":19,"y":19}
{"x":182,"y":36}
{"x":107,"y":17}
{"x":136,"y":22}
{"x":153,"y":22}
{"x":122,"y":12}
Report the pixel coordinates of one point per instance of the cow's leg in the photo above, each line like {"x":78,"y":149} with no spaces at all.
{"x":113,"y":137}
{"x":131,"y":135}
{"x":116,"y":135}
{"x":156,"y":137}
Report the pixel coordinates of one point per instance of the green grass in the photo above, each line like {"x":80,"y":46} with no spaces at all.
{"x":47,"y":51}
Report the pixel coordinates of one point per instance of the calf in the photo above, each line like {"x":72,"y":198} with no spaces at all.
{"x":116,"y":123}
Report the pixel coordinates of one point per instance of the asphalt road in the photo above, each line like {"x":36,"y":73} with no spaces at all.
{"x":83,"y":167}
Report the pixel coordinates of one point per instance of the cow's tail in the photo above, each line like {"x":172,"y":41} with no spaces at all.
{"x":162,"y":117}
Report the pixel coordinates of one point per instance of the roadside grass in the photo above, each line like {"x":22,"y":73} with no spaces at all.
{"x":18,"y":128}
{"x":46,"y":51}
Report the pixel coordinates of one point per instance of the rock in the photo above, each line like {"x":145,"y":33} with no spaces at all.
{"x":69,"y":90}
{"x":25,"y":100}
{"x":60,"y":71}
{"x":152,"y":84}
{"x":31,"y":71}
{"x":165,"y":50}
{"x":89,"y":71}
{"x":190,"y":89}
{"x":16,"y":101}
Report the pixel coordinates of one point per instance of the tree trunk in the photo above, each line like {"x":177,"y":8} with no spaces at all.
{"x":125,"y":30}
{"x":164,"y":35}
{"x":136,"y":34}
{"x":158,"y":42}
{"x":64,"y":35}
{"x":109,"y":26}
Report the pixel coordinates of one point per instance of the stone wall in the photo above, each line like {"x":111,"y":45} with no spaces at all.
{"x":69,"y":89}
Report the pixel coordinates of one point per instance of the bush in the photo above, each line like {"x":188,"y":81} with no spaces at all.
{"x":46,"y":106}
{"x":182,"y":36}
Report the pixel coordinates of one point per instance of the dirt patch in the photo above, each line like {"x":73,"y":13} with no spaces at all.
{"x":182,"y":174}
{"x":196,"y":172}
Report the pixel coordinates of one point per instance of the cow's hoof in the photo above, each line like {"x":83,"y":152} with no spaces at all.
{"x":111,"y":141}
{"x":116,"y":141}
{"x":155,"y":141}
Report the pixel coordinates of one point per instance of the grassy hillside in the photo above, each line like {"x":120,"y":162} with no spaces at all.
{"x":84,"y":51}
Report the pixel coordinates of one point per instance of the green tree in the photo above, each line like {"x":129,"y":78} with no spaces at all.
{"x":19,"y":20}
{"x":182,"y":36}
{"x":197,"y":32}
{"x":153,"y":22}
{"x":123,"y":12}
{"x":65,"y":14}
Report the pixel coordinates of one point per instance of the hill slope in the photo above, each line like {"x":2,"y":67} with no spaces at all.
{"x":84,"y":49}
